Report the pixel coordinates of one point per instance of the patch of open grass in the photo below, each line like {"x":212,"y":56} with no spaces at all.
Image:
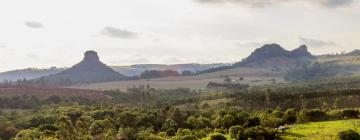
{"x":327,"y":130}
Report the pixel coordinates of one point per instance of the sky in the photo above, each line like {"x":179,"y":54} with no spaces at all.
{"x":46,"y":33}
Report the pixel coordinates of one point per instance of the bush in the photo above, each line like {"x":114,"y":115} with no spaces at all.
{"x":350,"y":113}
{"x":290,"y":116}
{"x":189,"y":137}
{"x":200,"y":133}
{"x":260,"y":133}
{"x":348,"y":135}
{"x":312,"y":115}
{"x":252,"y":122}
{"x":217,"y":136}
{"x":237,"y":132}
{"x":334,"y":114}
{"x":271,"y":121}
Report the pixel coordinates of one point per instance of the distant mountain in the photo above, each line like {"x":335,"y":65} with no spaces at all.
{"x":29,"y":73}
{"x":354,"y":53}
{"x":273,"y":55}
{"x":89,"y":70}
{"x":139,"y":68}
{"x":132,"y":70}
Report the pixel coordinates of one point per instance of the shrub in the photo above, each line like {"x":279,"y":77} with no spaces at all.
{"x":348,"y":135}
{"x":217,"y":136}
{"x":253,"y":121}
{"x":200,"y":133}
{"x":270,"y":121}
{"x":350,"y":113}
{"x":290,"y":116}
{"x":334,"y":114}
{"x":189,"y":137}
{"x":183,"y":132}
{"x":312,"y":115}
{"x":237,"y":132}
{"x":260,"y":133}
{"x":170,"y":132}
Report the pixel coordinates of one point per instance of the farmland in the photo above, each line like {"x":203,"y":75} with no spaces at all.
{"x":252,"y":76}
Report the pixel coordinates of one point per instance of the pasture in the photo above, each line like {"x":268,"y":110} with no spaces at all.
{"x":320,"y":130}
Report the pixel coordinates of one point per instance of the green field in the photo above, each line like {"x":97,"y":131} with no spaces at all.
{"x":321,"y":130}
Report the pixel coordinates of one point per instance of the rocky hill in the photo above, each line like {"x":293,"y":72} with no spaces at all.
{"x":89,"y":70}
{"x":273,"y":55}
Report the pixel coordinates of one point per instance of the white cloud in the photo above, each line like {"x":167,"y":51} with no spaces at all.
{"x":315,"y":42}
{"x":34,"y":24}
{"x":119,"y":33}
{"x":263,"y":3}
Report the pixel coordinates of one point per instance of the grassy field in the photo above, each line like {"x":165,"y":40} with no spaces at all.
{"x":321,"y":130}
{"x":327,"y":130}
{"x":341,"y":59}
{"x":251,"y":76}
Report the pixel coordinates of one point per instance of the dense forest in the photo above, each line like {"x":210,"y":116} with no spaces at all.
{"x":145,"y":113}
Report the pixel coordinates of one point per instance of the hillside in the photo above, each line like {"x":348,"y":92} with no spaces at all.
{"x":29,"y":73}
{"x":273,"y":55}
{"x":252,"y":76}
{"x":139,"y":68}
{"x":132,"y":70}
{"x":90,"y":69}
{"x":328,"y":66}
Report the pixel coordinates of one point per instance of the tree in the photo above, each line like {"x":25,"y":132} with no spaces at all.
{"x":348,"y":135}
{"x":186,"y":73}
{"x":227,"y":79}
{"x":7,"y":130}
{"x":28,"y":134}
{"x":217,"y":136}
{"x":66,"y":129}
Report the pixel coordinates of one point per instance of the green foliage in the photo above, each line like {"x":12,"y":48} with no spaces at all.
{"x":290,"y":116}
{"x":217,"y":136}
{"x":237,"y":132}
{"x":7,"y":130}
{"x":350,"y":113}
{"x":253,"y":121}
{"x":28,"y":134}
{"x":260,"y":133}
{"x":312,"y":115}
{"x":348,"y":135}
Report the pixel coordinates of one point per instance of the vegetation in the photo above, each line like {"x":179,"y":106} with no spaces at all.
{"x":145,"y":113}
{"x":332,"y":130}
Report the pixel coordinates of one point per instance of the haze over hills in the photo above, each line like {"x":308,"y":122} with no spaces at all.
{"x":29,"y":73}
{"x":132,"y":70}
{"x":263,"y":61}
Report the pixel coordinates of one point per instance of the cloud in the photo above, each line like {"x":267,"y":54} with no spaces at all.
{"x":255,"y":3}
{"x":334,"y":3}
{"x":315,"y":42}
{"x":264,"y":3}
{"x":32,"y":56}
{"x":249,"y":44}
{"x":134,"y":59}
{"x":3,"y":46}
{"x":119,"y":33}
{"x":34,"y":24}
